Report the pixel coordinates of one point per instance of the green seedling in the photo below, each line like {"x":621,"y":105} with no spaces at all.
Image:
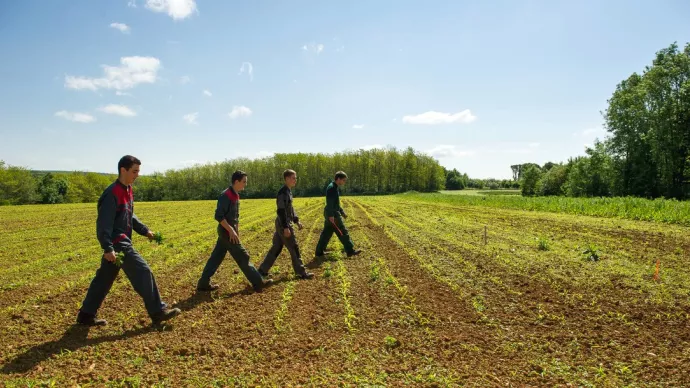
{"x":158,"y":238}
{"x":118,"y":259}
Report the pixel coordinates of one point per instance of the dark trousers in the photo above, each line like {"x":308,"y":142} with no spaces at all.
{"x":139,"y":275}
{"x":339,"y":228}
{"x":279,"y":241}
{"x":237,"y":251}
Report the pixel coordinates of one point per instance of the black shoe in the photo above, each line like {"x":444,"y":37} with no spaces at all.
{"x":207,"y":287}
{"x":266,"y":283}
{"x":306,"y":275}
{"x":164,"y":315}
{"x":89,"y":319}
{"x":354,"y":253}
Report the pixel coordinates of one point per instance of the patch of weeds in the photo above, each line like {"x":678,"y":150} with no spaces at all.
{"x":478,"y":303}
{"x":328,"y":272}
{"x":374,"y":271}
{"x":391,"y":342}
{"x":543,"y":244}
{"x":591,"y":252}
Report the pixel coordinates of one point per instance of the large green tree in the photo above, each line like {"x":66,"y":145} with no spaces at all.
{"x":649,"y":121}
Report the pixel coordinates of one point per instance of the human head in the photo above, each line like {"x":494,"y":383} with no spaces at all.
{"x":340,"y":178}
{"x":290,"y":178}
{"x":128,"y":169}
{"x":239,"y":180}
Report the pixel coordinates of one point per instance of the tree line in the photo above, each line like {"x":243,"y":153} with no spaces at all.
{"x":647,"y":152}
{"x":370,"y":172}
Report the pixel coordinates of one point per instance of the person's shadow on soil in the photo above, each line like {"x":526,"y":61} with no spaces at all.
{"x":75,"y":337}
{"x":319,"y":260}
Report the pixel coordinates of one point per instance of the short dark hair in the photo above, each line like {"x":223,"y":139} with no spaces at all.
{"x":340,"y":175}
{"x":288,"y":173}
{"x":127,"y":162}
{"x":237,"y":176}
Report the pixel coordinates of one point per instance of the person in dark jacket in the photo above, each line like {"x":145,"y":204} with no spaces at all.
{"x":284,"y":234}
{"x":333,"y":214}
{"x":114,"y":225}
{"x":228,"y":216}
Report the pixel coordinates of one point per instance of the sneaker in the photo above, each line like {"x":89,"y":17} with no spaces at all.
{"x":164,"y":315}
{"x":207,"y":287}
{"x":90,"y":319}
{"x":354,"y":253}
{"x":306,"y":275}
{"x":266,"y":283}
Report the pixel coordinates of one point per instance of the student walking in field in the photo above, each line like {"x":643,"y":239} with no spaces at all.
{"x":333,"y":215}
{"x":284,"y":234}
{"x":114,"y":225}
{"x":228,"y":215}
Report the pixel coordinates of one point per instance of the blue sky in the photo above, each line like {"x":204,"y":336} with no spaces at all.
{"x":478,"y":85}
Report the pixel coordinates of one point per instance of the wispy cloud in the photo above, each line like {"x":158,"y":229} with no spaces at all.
{"x":590,"y":133}
{"x":448,"y":151}
{"x":191,"y":162}
{"x":358,"y":126}
{"x":119,"y":110}
{"x":176,"y":9}
{"x":207,"y":93}
{"x":120,"y":26}
{"x":239,"y":111}
{"x":131,"y":72}
{"x":185,"y":79}
{"x":316,"y":48}
{"x":436,"y":118}
{"x":119,"y":93}
{"x":248,"y":68}
{"x":190,"y":118}
{"x":75,"y":116}
{"x":132,"y":3}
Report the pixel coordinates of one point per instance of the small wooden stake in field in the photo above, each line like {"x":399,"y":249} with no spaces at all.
{"x":656,"y":270}
{"x":485,"y":235}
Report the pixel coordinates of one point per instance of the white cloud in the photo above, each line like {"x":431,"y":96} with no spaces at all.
{"x":119,"y":93}
{"x":314,"y":47}
{"x":207,"y":93}
{"x":120,"y":26}
{"x":176,"y":9}
{"x":76,"y":116}
{"x":190,"y":118}
{"x":185,"y":79}
{"x":132,"y":4}
{"x":358,"y":126}
{"x":589,"y":133}
{"x":192,"y":162}
{"x":239,"y":111}
{"x":247,"y":66}
{"x":435,"y":118}
{"x":533,"y":145}
{"x":448,"y":151}
{"x":120,"y":110}
{"x":131,"y":72}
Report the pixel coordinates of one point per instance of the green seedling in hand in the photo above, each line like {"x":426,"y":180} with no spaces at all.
{"x":118,"y":259}
{"x":158,"y":238}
